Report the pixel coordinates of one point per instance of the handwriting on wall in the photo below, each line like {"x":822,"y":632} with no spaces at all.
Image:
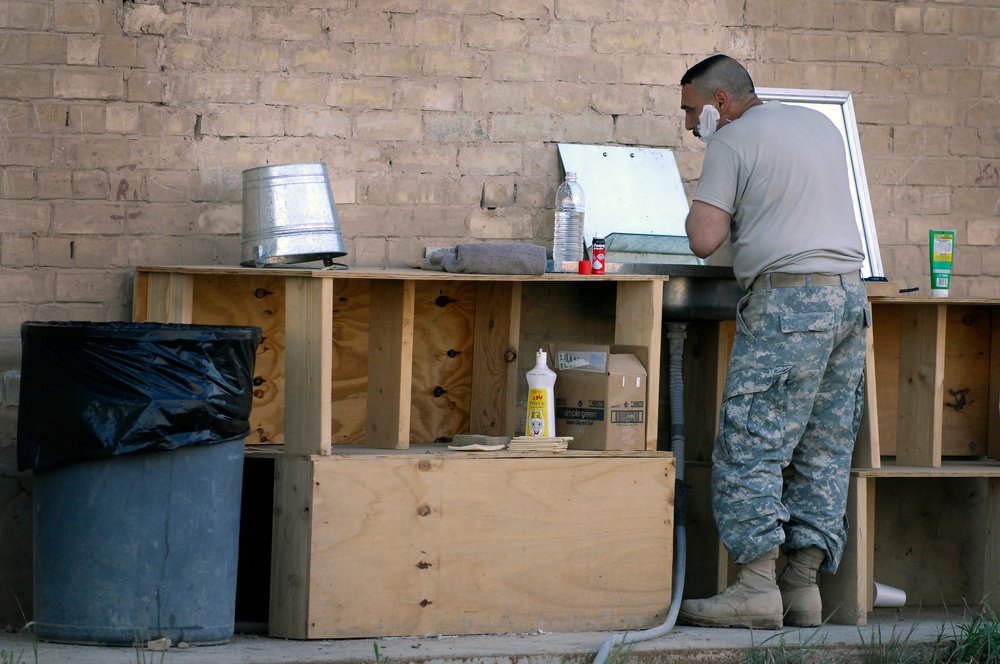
{"x":123,"y":187}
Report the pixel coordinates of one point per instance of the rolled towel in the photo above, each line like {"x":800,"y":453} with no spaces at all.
{"x":493,"y":258}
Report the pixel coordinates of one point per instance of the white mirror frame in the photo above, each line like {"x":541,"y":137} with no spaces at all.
{"x":838,"y":106}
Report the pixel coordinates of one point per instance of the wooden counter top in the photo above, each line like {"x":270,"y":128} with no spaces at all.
{"x":393,"y":273}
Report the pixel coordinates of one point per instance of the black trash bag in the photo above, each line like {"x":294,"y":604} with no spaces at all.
{"x":91,"y":390}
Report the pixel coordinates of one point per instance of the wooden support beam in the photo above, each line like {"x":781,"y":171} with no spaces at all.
{"x":993,"y":405}
{"x":494,"y":359}
{"x":390,"y":362}
{"x":991,"y":540}
{"x":921,"y":385}
{"x":867,"y":448}
{"x":291,"y":548}
{"x":308,"y":365}
{"x":169,"y":298}
{"x":638,"y":315}
{"x":847,"y":595}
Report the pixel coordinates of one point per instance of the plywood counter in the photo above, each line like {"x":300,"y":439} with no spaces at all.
{"x":362,"y":378}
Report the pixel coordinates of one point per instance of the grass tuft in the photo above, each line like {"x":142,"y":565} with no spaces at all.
{"x":977,"y":641}
{"x":379,"y":659}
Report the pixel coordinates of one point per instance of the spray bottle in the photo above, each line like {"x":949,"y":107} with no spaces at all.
{"x":541,"y":417}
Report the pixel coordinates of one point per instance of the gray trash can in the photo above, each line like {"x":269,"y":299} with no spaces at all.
{"x":138,"y":472}
{"x":139,"y":546}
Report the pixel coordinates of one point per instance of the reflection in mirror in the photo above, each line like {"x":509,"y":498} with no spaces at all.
{"x":838,"y":106}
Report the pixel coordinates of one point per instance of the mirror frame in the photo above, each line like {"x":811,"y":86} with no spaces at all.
{"x":842,"y":106}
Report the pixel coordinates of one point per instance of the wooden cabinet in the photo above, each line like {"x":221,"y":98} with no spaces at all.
{"x":363,"y":376}
{"x":933,"y":389}
{"x":422,"y":542}
{"x":929,"y":444}
{"x":936,"y":381}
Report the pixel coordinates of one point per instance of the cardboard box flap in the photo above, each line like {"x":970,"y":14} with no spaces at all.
{"x":625,"y":365}
{"x":593,"y":358}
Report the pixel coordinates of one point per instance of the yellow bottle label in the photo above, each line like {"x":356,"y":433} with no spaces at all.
{"x":538,"y":404}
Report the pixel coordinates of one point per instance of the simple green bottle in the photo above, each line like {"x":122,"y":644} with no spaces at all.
{"x":942,"y":251}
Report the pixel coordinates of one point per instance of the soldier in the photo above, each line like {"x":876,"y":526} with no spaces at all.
{"x":775,"y":182}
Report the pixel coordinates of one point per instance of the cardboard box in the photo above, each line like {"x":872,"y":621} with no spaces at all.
{"x":601,"y":396}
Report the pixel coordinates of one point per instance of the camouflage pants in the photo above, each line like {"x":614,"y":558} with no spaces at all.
{"x":791,"y":410}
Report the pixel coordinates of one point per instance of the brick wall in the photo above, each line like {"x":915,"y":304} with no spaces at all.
{"x":124,"y":128}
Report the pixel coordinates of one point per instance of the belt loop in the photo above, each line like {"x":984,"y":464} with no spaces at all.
{"x":767,"y":280}
{"x":843,"y":281}
{"x":809,"y":280}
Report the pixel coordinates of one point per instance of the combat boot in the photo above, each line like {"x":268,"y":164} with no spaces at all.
{"x":753,"y":601}
{"x":799,"y":592}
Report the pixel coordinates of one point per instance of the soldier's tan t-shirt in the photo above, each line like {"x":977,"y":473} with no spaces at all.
{"x":781,"y":172}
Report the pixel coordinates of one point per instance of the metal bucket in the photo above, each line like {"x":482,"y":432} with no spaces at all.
{"x":289,"y":216}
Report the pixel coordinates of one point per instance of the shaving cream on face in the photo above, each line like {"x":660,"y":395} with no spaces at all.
{"x":708,"y":121}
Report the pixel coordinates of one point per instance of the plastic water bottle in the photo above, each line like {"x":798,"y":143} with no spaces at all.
{"x":567,"y":243}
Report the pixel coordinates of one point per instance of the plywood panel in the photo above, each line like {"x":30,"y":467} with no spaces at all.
{"x":706,"y":355}
{"x":929,"y":534}
{"x":442,"y":544}
{"x":259,"y":301}
{"x":351,"y":299}
{"x":443,"y":329}
{"x":885,"y":349}
{"x":966,"y":389}
{"x":494,"y":367}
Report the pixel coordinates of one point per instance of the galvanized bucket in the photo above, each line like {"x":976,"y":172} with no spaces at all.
{"x":289,"y":216}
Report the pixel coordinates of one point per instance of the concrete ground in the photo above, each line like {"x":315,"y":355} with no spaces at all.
{"x":887,"y":630}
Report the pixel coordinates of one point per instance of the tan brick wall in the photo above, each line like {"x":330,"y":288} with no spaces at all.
{"x":124,"y":127}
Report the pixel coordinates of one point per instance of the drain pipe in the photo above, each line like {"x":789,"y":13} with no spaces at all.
{"x":676,"y":333}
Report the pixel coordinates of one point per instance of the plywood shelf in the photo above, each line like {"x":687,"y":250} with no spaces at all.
{"x":948,"y":468}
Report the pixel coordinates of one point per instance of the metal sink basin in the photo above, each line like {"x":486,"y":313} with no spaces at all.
{"x":693,"y":292}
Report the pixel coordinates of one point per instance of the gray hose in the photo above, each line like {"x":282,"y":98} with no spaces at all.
{"x":676,"y":333}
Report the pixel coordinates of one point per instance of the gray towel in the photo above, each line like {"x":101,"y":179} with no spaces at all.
{"x":492,"y":258}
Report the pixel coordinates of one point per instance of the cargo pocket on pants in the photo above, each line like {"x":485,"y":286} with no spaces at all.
{"x":752,"y":416}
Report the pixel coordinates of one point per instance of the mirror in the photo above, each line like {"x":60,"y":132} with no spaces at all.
{"x":635,"y":200}
{"x":837,"y":106}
